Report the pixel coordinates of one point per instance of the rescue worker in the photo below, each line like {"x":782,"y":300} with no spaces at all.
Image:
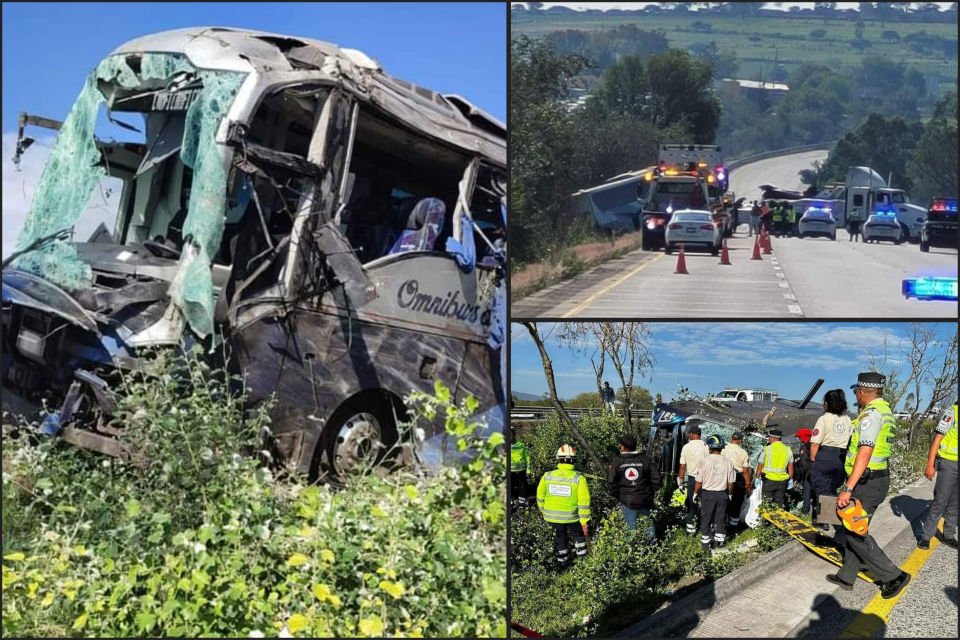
{"x":776,"y":467}
{"x":777,"y":217}
{"x":714,"y":484}
{"x":564,"y":500}
{"x":942,"y":463}
{"x":634,"y":480}
{"x":791,"y":219}
{"x":828,"y":448}
{"x":519,"y":468}
{"x":608,"y":395}
{"x":743,"y":484}
{"x":868,"y":479}
{"x":691,"y":455}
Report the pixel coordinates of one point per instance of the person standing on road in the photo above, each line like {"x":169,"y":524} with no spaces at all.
{"x":777,"y":218}
{"x":714,"y":484}
{"x":754,"y":219}
{"x":691,"y":455}
{"x":942,"y":463}
{"x":776,"y":467}
{"x":828,"y":447}
{"x":609,"y":396}
{"x":634,"y":481}
{"x":564,"y":499}
{"x":765,"y":215}
{"x":740,"y":459}
{"x":853,"y":228}
{"x":791,"y":217}
{"x":868,"y":479}
{"x":519,"y":468}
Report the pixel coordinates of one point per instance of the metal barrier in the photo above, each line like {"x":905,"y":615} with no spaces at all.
{"x":739,"y":162}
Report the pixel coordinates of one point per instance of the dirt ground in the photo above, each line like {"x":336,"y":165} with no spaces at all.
{"x":538,"y":275}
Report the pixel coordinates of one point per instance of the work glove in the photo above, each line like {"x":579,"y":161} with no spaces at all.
{"x":790,"y":484}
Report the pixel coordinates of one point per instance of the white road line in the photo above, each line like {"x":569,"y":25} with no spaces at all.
{"x":783,"y":285}
{"x":795,"y":308}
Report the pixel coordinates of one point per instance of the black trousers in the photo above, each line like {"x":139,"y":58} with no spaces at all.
{"x":736,"y":502}
{"x":713,"y":513}
{"x":691,"y":518}
{"x":827,"y":473}
{"x":775,"y":490}
{"x":862,"y":553}
{"x":563,"y":535}
{"x":518,"y":485}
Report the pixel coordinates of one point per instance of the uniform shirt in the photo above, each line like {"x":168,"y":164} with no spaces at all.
{"x":870,"y":425}
{"x":832,"y":430}
{"x":737,"y":455}
{"x":946,"y":421}
{"x":691,"y":455}
{"x":714,"y":473}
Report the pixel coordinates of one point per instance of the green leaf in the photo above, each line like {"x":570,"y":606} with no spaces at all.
{"x":16,"y":556}
{"x":145,"y":621}
{"x":80,"y":622}
{"x":133,"y":507}
{"x":395,"y":589}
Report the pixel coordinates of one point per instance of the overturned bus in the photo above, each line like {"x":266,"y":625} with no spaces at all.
{"x":340,"y":229}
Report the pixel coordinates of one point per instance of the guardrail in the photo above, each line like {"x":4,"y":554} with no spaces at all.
{"x":539,"y":413}
{"x":733,"y":164}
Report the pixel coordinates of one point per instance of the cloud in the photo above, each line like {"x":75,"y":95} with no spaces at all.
{"x":19,"y":187}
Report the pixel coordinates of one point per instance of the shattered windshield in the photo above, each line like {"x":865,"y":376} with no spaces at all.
{"x":174,"y":174}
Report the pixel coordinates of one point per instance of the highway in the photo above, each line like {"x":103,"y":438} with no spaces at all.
{"x":802,"y":278}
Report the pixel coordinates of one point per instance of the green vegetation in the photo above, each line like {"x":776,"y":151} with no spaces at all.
{"x":194,"y":539}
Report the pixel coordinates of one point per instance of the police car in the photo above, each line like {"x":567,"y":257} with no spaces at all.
{"x":692,"y":227}
{"x":817,"y":221}
{"x":940,"y":227}
{"x":882,"y":226}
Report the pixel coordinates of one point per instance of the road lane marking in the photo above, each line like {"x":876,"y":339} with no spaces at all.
{"x":616,"y":283}
{"x":783,"y":285}
{"x":795,"y":308}
{"x":875,"y":615}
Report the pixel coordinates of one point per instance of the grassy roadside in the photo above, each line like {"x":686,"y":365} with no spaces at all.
{"x":569,"y":263}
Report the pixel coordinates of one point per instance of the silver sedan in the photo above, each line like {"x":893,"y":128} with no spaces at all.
{"x":692,"y":227}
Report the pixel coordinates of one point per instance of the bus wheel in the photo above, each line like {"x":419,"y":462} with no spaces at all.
{"x":359,"y":435}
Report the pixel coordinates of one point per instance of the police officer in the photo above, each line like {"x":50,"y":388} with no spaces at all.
{"x":519,"y":468}
{"x":691,"y":455}
{"x":714,"y":484}
{"x":942,"y":463}
{"x":740,"y":459}
{"x":776,"y":467}
{"x":564,"y":499}
{"x":868,"y":479}
{"x":633,"y":480}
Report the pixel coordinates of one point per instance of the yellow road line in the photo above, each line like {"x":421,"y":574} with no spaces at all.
{"x":877,"y":612}
{"x":616,"y":283}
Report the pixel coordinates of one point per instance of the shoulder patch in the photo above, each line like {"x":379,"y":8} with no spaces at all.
{"x":816,"y":431}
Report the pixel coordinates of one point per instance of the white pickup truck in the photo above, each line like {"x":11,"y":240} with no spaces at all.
{"x":745,"y":395}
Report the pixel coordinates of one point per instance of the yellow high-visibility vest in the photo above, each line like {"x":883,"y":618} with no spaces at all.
{"x":775,"y":462}
{"x":948,"y":446}
{"x":881,"y":449}
{"x":563,"y":496}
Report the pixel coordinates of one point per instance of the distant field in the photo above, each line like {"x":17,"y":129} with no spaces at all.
{"x":757,"y":57}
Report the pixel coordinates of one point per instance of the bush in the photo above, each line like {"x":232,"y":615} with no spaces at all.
{"x":199,"y":540}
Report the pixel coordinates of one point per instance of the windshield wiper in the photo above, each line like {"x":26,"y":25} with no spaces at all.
{"x":63,"y":234}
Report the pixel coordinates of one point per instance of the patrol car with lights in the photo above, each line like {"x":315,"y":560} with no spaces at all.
{"x":817,"y":221}
{"x":940,"y":227}
{"x":883,"y":225}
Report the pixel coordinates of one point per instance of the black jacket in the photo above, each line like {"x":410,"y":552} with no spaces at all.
{"x":634,"y":480}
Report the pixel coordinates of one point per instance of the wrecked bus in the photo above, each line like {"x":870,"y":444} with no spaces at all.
{"x":340,"y":229}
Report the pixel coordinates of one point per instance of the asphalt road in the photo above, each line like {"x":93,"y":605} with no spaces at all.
{"x":812,"y":277}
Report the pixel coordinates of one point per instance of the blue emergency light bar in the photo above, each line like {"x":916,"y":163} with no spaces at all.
{"x":930,"y":288}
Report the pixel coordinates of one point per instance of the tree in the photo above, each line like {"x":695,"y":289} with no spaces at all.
{"x":531,"y":327}
{"x":891,"y":36}
{"x":933,"y":167}
{"x":929,"y":356}
{"x":623,"y":344}
{"x":825,"y":9}
{"x":681,"y":89}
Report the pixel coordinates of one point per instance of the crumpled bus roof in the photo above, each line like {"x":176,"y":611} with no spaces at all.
{"x":450,"y":118}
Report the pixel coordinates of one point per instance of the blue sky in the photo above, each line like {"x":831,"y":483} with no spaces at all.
{"x":705,"y":357}
{"x":49,"y":48}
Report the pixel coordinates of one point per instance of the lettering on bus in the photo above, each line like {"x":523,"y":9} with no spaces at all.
{"x":446,"y":305}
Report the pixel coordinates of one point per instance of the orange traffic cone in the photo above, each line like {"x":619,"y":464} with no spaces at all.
{"x":724,"y":254}
{"x":681,"y":263}
{"x":756,"y":248}
{"x":767,"y":246}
